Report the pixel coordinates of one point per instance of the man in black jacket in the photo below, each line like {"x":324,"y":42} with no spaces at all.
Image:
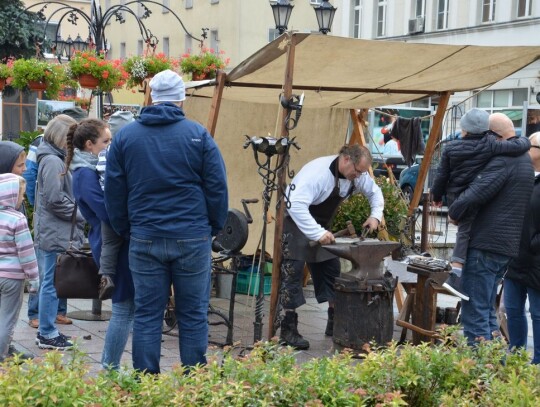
{"x":523,"y":277}
{"x":501,"y":193}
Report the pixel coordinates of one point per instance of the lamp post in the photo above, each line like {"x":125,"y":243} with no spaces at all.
{"x":282,"y":12}
{"x":325,"y":16}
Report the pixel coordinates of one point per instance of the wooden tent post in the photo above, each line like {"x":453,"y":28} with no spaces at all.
{"x":428,"y":153}
{"x":358,"y":130}
{"x":216,"y":103}
{"x":280,"y":207}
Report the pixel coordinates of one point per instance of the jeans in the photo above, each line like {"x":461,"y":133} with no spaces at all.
{"x":33,"y":300}
{"x":48,"y":301}
{"x":11,"y":298}
{"x":482,"y":273}
{"x":515,"y":295}
{"x":117,"y":335}
{"x":155,"y":263}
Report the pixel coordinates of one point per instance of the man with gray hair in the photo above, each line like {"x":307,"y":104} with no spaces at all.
{"x":319,"y":187}
{"x":500,"y":193}
{"x":166,"y":188}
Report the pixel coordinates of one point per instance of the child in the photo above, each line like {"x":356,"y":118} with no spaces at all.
{"x":111,"y":242}
{"x":462,"y":160}
{"x":17,"y":258}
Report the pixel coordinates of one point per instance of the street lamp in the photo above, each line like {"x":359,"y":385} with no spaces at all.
{"x":325,"y":15}
{"x":282,"y":12}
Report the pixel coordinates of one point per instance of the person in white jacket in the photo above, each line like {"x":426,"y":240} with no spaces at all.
{"x":314,"y":195}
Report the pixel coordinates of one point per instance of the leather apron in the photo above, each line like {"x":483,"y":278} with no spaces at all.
{"x":297,"y":243}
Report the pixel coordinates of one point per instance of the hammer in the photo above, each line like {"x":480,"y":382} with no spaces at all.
{"x":349,"y":231}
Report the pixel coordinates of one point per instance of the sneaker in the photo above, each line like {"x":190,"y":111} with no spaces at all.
{"x":34,"y":323}
{"x":12,"y":351}
{"x":66,"y":337}
{"x":106,"y":288}
{"x":58,"y":343}
{"x":454,"y":285}
{"x":63,"y":320}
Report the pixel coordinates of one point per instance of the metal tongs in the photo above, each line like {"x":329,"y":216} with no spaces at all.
{"x":364,"y":234}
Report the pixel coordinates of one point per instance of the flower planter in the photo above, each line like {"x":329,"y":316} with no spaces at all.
{"x":198,"y":76}
{"x":88,"y":81}
{"x":37,"y":85}
{"x":2,"y":84}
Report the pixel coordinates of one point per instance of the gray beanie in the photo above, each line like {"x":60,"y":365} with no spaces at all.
{"x":167,"y":86}
{"x":119,"y":119}
{"x":9,"y":152}
{"x":76,"y":113}
{"x":475,"y":121}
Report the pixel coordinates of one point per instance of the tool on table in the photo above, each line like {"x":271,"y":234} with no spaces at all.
{"x":349,"y":231}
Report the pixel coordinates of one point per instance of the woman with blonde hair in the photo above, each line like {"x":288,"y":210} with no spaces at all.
{"x":54,"y":207}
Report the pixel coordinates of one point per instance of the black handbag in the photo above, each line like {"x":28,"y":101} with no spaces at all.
{"x":76,"y":273}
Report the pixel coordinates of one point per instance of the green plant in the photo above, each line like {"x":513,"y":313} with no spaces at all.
{"x":109,"y":73}
{"x":357,"y":209}
{"x":36,"y":70}
{"x":6,"y":70}
{"x":141,"y":67}
{"x":207,"y":62}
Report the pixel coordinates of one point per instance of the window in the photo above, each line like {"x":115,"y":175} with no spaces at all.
{"x":419,"y":8}
{"x":166,"y":46}
{"x":315,"y":2}
{"x":107,"y":6}
{"x":273,"y":33}
{"x":122,"y":50}
{"x":188,"y":3}
{"x":188,"y":46}
{"x":507,"y":101}
{"x":357,"y":18}
{"x":140,"y":48}
{"x":18,"y":113}
{"x":442,"y":14}
{"x":214,"y":41}
{"x":50,"y":35}
{"x":524,"y":8}
{"x":381,"y":18}
{"x":488,"y":11}
{"x":214,"y":1}
{"x":166,"y":4}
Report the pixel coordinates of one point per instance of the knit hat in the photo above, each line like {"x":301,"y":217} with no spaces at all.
{"x":119,"y":119}
{"x":167,"y":86}
{"x":475,"y":121}
{"x":9,"y":152}
{"x":76,"y":113}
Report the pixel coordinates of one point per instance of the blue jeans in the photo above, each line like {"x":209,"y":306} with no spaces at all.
{"x":48,"y":301}
{"x":482,"y":273}
{"x":515,"y":295}
{"x":117,"y":333}
{"x":155,"y":263}
{"x":33,"y":300}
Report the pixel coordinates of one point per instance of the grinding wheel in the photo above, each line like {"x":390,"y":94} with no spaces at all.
{"x":235,"y":233}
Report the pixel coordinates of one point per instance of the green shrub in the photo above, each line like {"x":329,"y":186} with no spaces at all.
{"x":447,"y":374}
{"x":357,"y":209}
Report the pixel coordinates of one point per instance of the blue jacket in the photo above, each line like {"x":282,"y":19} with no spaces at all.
{"x":165,"y":177}
{"x":89,"y":198}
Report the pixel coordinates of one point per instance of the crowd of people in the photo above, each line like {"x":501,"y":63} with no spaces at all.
{"x":154,"y":192}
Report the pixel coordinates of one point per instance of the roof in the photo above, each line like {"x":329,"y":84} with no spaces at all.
{"x":353,"y":73}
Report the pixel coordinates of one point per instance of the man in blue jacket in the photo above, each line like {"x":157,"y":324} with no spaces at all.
{"x":501,"y":191}
{"x":166,"y":189}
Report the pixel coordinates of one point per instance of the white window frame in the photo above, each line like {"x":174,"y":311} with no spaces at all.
{"x":315,"y":2}
{"x":382,"y":6}
{"x":527,"y":6}
{"x":358,"y":14}
{"x":188,"y":3}
{"x":491,"y":7}
{"x":443,"y":13}
{"x":421,"y":12}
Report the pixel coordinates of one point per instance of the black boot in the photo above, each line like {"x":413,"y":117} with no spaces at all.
{"x":289,"y":332}
{"x":330,"y":323}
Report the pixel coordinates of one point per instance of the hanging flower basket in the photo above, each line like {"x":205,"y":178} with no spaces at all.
{"x":38,"y":75}
{"x":204,"y":65}
{"x":198,"y":76}
{"x":37,"y":85}
{"x":87,"y":81}
{"x":2,"y":84}
{"x":144,"y":67}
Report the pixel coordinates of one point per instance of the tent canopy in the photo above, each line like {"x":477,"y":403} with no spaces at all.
{"x":352,"y":73}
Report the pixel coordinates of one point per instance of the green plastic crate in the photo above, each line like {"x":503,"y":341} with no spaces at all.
{"x":245,"y":280}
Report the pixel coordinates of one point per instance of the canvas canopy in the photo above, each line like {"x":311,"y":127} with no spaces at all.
{"x":352,"y":73}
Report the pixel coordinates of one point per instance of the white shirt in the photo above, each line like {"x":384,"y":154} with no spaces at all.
{"x":391,"y":148}
{"x":315,"y":182}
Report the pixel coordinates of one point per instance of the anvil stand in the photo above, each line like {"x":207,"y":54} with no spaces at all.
{"x":96,"y":313}
{"x":266,"y":148}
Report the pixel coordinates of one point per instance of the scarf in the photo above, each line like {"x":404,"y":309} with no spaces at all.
{"x":83,"y":159}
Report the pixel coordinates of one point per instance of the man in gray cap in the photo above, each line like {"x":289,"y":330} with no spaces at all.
{"x":166,"y":188}
{"x":461,"y":162}
{"x":499,"y":195}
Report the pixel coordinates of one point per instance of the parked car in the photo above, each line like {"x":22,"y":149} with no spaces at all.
{"x":394,"y":162}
